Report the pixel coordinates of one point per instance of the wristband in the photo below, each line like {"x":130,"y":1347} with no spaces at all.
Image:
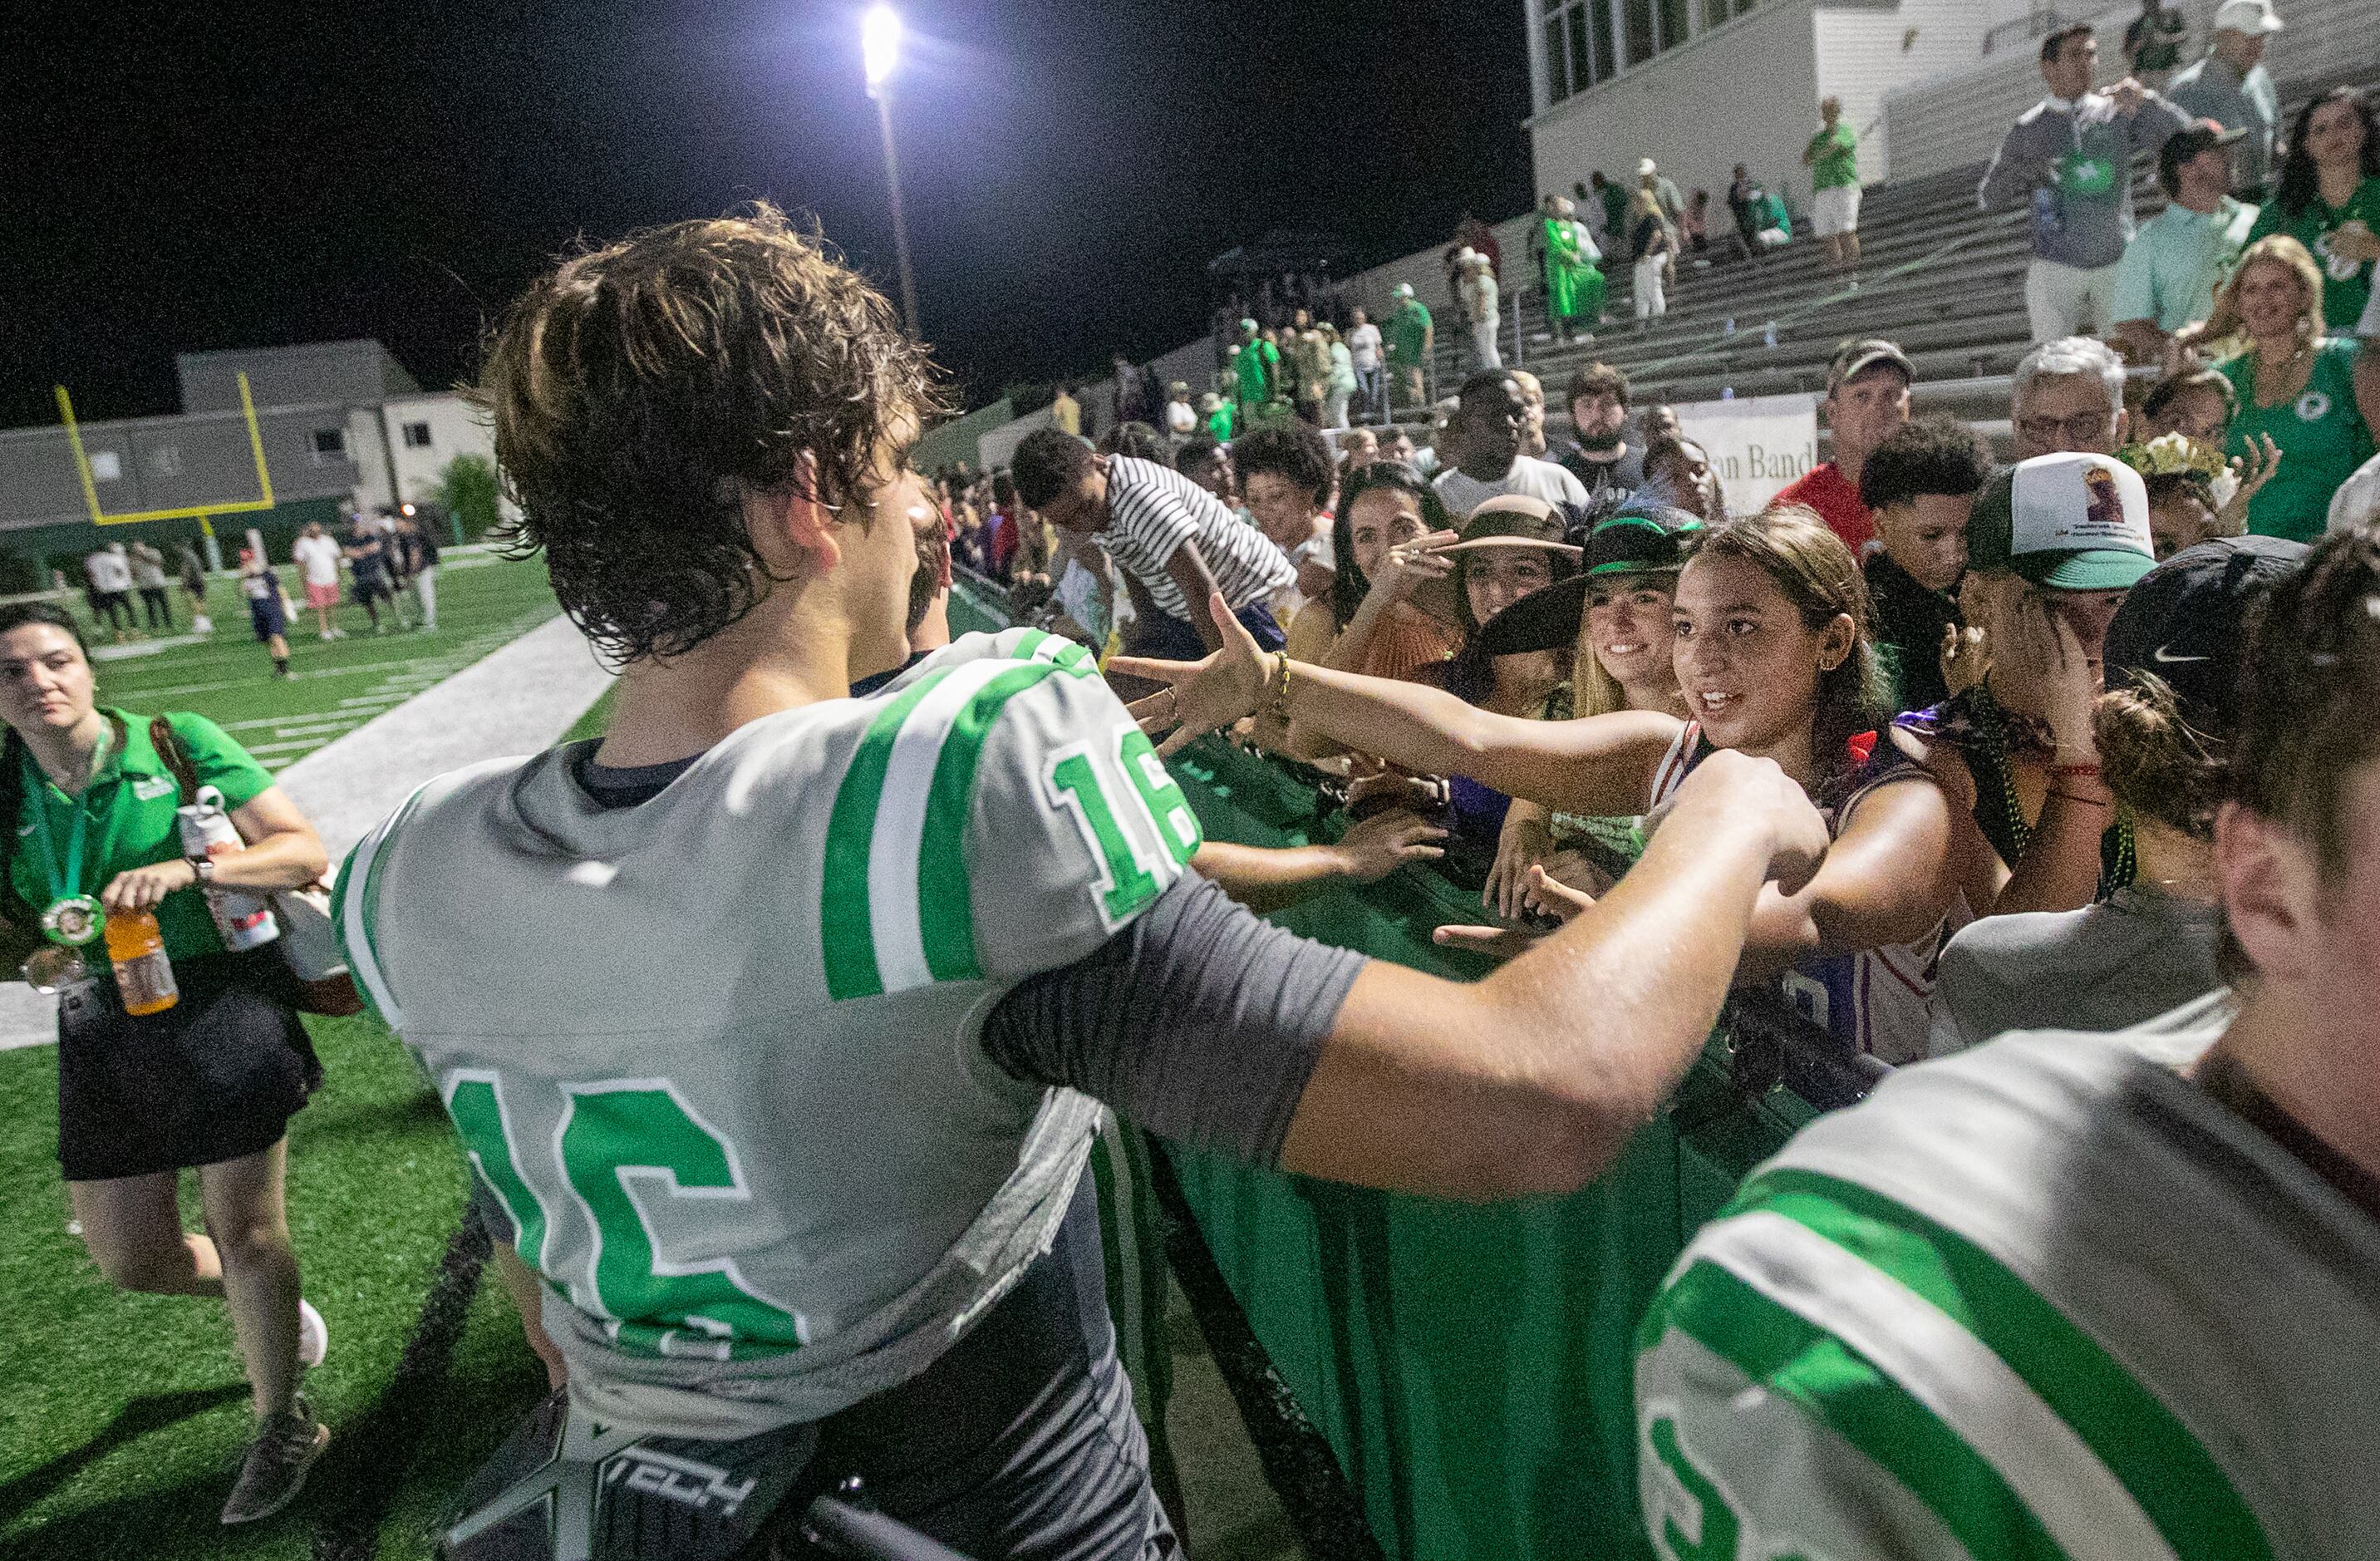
{"x":1279,"y":713}
{"x":202,"y":869}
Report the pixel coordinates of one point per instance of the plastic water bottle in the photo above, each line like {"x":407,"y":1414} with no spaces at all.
{"x":144,"y":977}
{"x":245,"y":920}
{"x":1769,"y":335}
{"x":1727,"y":392}
{"x":1727,"y":327}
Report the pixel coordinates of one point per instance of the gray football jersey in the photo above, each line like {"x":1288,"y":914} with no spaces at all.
{"x":717,"y":1053}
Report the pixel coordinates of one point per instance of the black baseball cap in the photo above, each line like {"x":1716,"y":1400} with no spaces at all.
{"x":2199,"y":135}
{"x":1654,"y":539}
{"x":2186,"y":623}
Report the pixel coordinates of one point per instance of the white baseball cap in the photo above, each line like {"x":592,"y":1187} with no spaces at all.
{"x":1402,"y":290}
{"x":2072,"y":521}
{"x":2254,"y":17}
{"x":1646,"y":166}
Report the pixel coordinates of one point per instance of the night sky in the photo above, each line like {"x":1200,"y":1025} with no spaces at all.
{"x":190,"y":176}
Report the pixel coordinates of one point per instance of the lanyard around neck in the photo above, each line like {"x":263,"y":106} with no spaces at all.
{"x":70,"y":883}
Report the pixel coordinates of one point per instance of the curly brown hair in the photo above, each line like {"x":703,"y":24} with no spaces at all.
{"x":642,"y":389}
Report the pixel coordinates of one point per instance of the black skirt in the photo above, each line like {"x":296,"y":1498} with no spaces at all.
{"x":216,"y":1076}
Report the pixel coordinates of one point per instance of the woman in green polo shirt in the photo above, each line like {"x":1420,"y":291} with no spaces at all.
{"x":2296,"y":385}
{"x":2329,"y":200}
{"x":208,"y":1082}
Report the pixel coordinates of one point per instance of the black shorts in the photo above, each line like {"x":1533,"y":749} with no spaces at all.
{"x":265,"y":616}
{"x":215,"y":1077}
{"x":371,"y":588}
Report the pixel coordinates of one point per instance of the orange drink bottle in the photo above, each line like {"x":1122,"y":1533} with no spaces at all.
{"x":143,"y":976}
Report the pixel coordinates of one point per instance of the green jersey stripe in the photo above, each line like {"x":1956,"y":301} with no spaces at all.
{"x":846,"y":933}
{"x":946,"y":907}
{"x":1845,"y":1391}
{"x":360,"y":908}
{"x":2176,"y":1483}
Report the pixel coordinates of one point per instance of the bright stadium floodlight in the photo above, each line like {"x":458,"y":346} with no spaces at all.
{"x":879,"y":44}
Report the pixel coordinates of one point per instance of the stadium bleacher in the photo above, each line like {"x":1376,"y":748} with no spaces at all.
{"x":1939,"y":276}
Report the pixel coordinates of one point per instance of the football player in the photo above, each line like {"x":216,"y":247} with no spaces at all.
{"x":779,"y":1021}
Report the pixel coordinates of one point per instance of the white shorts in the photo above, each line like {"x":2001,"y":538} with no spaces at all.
{"x":1835,"y":212}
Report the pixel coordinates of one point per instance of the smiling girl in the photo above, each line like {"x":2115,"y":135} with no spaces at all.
{"x":1770,"y":646}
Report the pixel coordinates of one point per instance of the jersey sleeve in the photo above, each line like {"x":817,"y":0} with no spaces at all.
{"x":1074,"y":826}
{"x":1001,"y":816}
{"x":220,"y":761}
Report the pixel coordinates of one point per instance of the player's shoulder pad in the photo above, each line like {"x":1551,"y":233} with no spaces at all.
{"x":1008,"y":644}
{"x":1001,"y":816}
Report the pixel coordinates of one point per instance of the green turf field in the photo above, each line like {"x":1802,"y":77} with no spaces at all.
{"x":484,"y":602}
{"x":122,"y":1417}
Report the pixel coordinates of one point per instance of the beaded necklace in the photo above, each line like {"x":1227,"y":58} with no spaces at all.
{"x":1991,"y":734}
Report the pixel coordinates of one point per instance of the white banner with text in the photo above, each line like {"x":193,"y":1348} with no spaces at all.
{"x":1756,"y":444}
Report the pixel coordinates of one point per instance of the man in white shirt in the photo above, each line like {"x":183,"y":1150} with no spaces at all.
{"x":1371,"y":385}
{"x":1181,"y":418}
{"x":1488,"y":430}
{"x":317,"y":553}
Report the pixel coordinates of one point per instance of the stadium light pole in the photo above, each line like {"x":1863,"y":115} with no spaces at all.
{"x":880,"y":51}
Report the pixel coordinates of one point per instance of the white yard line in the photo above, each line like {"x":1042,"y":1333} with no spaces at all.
{"x":518,"y":699}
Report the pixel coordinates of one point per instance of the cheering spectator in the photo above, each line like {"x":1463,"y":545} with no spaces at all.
{"x":1065,"y":412}
{"x":1364,"y":355}
{"x":1164,"y":532}
{"x":1219,"y":416}
{"x":420,"y":551}
{"x":1475,"y":295}
{"x":1285,"y":474}
{"x":1649,"y":240}
{"x":2297,"y":387}
{"x":2330,"y":199}
{"x":1867,"y":398}
{"x":1533,"y":422}
{"x":1697,"y":224}
{"x":2164,"y":729}
{"x":1832,"y":158}
{"x":268,"y":607}
{"x":2014,"y":749}
{"x":1339,"y":387}
{"x":1411,"y":337}
{"x":1612,"y":200}
{"x":2153,"y":42}
{"x":1664,"y":193}
{"x":1573,"y":286}
{"x":1397,"y":448}
{"x":1920,"y":484}
{"x":1180,"y":416}
{"x":1388,"y":610}
{"x":1600,"y":456}
{"x":1256,"y":370}
{"x":1760,"y":217}
{"x":1474,"y":234}
{"x":369,"y":571}
{"x":1677,"y":475}
{"x":2193,"y":492}
{"x":2232,"y":87}
{"x":2067,"y":395}
{"x":2179,"y":257}
{"x":1208,"y":462}
{"x":2069,"y":158}
{"x":2198,"y":403}
{"x":1771,"y":647}
{"x":1486,"y":432}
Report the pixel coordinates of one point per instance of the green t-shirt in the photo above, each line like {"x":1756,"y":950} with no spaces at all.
{"x":1219,"y":426}
{"x":131,"y":802}
{"x":2321,"y":435}
{"x":2345,"y":284}
{"x":1407,"y":333}
{"x":1834,"y":158}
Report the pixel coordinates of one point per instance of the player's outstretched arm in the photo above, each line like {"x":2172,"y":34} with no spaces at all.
{"x":1534,"y":1080}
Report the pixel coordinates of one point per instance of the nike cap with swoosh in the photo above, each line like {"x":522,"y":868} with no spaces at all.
{"x":2186,"y":621}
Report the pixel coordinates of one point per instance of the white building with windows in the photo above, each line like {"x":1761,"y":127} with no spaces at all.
{"x":1700,"y":85}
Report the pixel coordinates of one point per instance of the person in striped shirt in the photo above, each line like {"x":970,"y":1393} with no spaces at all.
{"x":1164,"y":530}
{"x":780,"y":1025}
{"x":2085,"y":1295}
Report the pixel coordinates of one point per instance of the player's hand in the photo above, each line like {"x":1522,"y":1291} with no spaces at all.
{"x":145,"y":888}
{"x":1202,"y":696}
{"x":1729,"y":788}
{"x":2129,"y":96}
{"x":1377,"y":846}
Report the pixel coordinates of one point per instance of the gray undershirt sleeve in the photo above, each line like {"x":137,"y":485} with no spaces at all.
{"x":1198,"y":1022}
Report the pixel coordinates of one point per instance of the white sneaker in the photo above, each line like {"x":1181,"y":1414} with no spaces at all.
{"x":313,"y":1335}
{"x":326,"y":637}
